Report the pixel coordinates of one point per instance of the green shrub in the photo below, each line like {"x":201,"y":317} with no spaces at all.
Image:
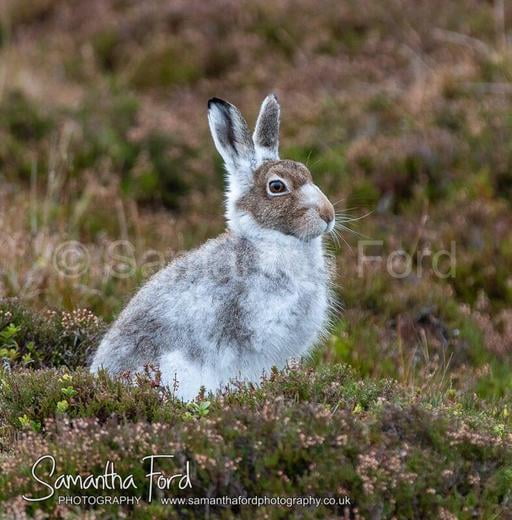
{"x":54,"y":339}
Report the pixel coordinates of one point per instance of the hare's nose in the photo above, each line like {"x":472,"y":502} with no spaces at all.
{"x":326,"y":213}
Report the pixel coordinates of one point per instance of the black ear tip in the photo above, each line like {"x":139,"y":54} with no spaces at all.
{"x":217,"y":101}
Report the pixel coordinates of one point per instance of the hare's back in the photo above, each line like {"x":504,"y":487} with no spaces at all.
{"x":182,"y":307}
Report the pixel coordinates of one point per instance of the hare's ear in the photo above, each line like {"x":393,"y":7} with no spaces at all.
{"x":266,"y":133}
{"x":233,"y":141}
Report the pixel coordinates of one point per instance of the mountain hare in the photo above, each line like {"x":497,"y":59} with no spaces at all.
{"x":249,"y":299}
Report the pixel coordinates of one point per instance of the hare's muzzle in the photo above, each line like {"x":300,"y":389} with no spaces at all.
{"x":313,"y":199}
{"x":326,"y":213}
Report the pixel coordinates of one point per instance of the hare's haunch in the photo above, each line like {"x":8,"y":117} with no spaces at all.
{"x":249,"y":299}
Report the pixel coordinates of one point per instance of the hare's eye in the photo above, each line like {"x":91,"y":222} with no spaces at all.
{"x":277,"y":187}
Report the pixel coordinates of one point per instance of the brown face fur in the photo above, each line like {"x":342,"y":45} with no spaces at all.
{"x":293,"y":213}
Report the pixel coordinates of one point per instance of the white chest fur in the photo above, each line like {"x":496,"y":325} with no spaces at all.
{"x":289,"y":298}
{"x":281,"y":311}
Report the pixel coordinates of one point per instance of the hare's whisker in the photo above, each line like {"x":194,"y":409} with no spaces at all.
{"x":355,"y":219}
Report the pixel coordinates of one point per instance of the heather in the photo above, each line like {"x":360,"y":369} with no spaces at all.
{"x":305,"y":432}
{"x":401,"y":109}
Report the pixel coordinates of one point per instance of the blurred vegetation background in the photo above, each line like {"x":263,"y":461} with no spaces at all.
{"x":401,"y":109}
